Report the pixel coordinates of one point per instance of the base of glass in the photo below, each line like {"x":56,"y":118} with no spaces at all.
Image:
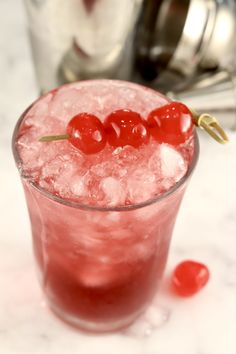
{"x":94,"y":327}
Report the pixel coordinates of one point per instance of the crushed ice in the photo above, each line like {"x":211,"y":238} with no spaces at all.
{"x":113,"y":177}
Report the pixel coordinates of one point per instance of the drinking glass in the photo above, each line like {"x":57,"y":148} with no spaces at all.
{"x":100,"y":267}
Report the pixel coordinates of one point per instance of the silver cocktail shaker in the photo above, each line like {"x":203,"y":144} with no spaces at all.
{"x":164,"y":44}
{"x":81,"y":39}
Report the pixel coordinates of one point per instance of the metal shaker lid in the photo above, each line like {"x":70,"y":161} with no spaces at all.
{"x":185,"y":36}
{"x":206,"y":38}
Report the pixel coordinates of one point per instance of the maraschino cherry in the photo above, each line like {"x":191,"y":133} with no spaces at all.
{"x":86,"y":132}
{"x":189,"y":277}
{"x":171,"y":124}
{"x":125,"y":127}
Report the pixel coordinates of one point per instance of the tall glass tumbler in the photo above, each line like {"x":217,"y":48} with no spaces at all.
{"x":100,"y":266}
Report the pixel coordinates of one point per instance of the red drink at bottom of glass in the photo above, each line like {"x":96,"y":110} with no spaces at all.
{"x":101,"y":225}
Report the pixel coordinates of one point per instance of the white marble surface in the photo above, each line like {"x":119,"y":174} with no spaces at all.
{"x":205,"y":230}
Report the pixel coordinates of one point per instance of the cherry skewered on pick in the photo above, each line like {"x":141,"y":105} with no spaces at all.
{"x":170,"y":124}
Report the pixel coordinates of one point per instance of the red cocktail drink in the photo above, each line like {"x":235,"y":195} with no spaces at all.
{"x":101,"y":223}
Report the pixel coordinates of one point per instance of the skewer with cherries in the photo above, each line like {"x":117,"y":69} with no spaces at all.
{"x":172,"y":124}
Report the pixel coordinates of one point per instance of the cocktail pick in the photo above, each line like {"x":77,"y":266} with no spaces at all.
{"x":211,"y":125}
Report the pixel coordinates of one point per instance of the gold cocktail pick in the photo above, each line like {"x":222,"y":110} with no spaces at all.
{"x":211,"y":125}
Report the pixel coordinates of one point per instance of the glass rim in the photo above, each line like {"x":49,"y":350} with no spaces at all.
{"x":83,"y":206}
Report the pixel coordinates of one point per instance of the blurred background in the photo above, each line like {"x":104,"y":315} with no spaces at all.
{"x":185,"y":48}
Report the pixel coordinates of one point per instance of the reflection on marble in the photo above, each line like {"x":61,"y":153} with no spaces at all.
{"x":205,"y":231}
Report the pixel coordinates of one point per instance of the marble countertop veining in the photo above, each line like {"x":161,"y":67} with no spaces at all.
{"x":205,"y":230}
